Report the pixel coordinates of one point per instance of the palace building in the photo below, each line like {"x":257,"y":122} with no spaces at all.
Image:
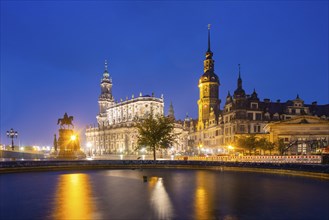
{"x":245,"y":114}
{"x":215,"y":128}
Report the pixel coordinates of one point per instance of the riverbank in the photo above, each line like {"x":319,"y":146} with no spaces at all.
{"x":310,"y":170}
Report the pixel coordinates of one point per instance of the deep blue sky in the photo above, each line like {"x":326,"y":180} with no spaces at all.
{"x":52,"y":55}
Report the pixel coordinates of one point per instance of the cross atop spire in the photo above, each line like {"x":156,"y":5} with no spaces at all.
{"x":106,"y":75}
{"x":105,"y":64}
{"x":208,"y":38}
{"x":239,"y":79}
{"x":239,"y":71}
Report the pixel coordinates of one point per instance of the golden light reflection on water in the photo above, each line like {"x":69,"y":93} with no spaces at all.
{"x":73,"y":199}
{"x":160,"y":200}
{"x":203,"y":199}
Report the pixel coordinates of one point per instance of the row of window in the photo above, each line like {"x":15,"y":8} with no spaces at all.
{"x":109,"y":137}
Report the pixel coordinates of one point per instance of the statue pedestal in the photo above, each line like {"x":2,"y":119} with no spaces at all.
{"x":69,"y":145}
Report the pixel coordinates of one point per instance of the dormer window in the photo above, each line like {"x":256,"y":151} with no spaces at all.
{"x":276,"y":116}
{"x":254,"y":105}
{"x":267,"y":115}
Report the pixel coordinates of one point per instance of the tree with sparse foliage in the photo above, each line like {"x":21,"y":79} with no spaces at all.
{"x":247,"y":142}
{"x":155,"y":132}
{"x":283,"y":147}
{"x":265,"y":145}
{"x":270,"y":147}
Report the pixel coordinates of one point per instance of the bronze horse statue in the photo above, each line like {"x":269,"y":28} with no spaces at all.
{"x":66,"y":120}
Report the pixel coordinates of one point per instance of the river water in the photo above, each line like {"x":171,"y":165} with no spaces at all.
{"x":167,"y":194}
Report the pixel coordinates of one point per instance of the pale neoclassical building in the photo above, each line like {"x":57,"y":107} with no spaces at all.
{"x":115,"y":132}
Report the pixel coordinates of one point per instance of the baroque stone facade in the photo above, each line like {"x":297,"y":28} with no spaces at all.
{"x":214,"y":129}
{"x":245,"y":114}
{"x":115,"y":132}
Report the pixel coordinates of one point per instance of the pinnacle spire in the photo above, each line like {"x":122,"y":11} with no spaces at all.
{"x":105,"y":65}
{"x":171,"y":112}
{"x":208,"y":38}
{"x":239,"y":71}
{"x":239,"y":79}
{"x":106,"y":75}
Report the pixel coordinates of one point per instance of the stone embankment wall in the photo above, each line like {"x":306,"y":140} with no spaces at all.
{"x":259,"y":159}
{"x":51,"y":165}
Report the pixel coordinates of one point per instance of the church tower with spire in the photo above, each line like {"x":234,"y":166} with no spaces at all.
{"x":208,"y":89}
{"x":239,"y":93}
{"x":171,"y":113}
{"x":105,"y":99}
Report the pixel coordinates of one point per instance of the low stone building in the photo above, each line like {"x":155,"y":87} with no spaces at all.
{"x":301,"y":132}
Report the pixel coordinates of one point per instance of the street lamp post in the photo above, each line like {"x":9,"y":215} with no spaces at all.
{"x":12,"y":134}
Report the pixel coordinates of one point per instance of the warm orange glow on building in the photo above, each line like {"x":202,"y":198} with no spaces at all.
{"x":73,"y":137}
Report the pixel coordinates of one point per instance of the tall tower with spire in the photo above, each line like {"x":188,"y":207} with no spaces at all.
{"x":171,"y":113}
{"x":239,"y":93}
{"x":105,"y":99}
{"x":208,"y":89}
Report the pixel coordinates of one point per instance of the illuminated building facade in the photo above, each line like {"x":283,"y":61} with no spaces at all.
{"x":115,"y":132}
{"x":308,"y":132}
{"x":245,"y":114}
{"x":215,"y":128}
{"x":208,"y":103}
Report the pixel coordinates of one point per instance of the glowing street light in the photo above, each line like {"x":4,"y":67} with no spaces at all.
{"x":230,"y":148}
{"x":12,"y":134}
{"x":73,"y":137}
{"x":199,"y":147}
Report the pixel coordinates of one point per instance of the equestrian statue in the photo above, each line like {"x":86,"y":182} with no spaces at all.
{"x":66,"y":120}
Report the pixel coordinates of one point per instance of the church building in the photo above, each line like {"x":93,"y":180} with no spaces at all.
{"x":114,"y":132}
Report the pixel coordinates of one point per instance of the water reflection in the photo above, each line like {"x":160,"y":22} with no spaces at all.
{"x":203,"y":198}
{"x":160,"y":200}
{"x":73,"y":199}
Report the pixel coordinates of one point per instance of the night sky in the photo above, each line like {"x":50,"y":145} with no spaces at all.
{"x":52,"y":56}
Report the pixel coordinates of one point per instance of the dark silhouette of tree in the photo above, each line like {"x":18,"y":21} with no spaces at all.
{"x":270,"y":147}
{"x":247,"y":142}
{"x":284,"y":147}
{"x":265,"y":145}
{"x":155,"y":132}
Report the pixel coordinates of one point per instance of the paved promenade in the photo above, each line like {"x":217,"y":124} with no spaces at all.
{"x":311,"y":170}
